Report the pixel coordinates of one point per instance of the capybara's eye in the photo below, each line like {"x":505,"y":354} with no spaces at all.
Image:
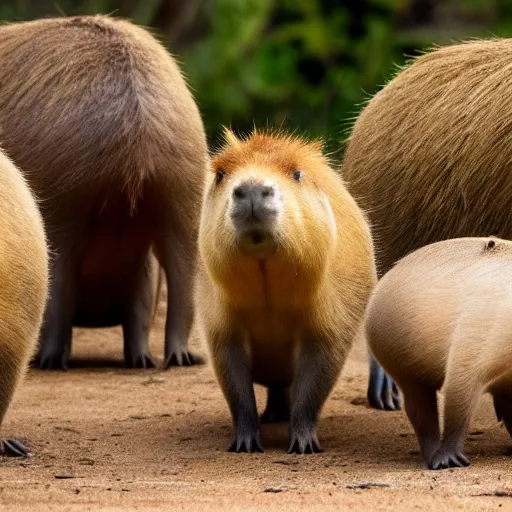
{"x":297,"y":175}
{"x":219,"y":176}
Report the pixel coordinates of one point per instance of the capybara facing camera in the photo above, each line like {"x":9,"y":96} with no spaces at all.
{"x":24,"y":283}
{"x":286,"y":268}
{"x":98,"y":117}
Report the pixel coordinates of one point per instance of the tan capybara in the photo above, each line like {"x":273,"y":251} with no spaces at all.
{"x":429,"y":157}
{"x":286,"y":268}
{"x":442,"y":317}
{"x":96,"y":113}
{"x":24,"y":284}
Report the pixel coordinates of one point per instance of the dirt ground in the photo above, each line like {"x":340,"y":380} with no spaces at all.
{"x":107,"y":438}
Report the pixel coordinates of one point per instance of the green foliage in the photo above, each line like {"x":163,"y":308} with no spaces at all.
{"x":304,"y":64}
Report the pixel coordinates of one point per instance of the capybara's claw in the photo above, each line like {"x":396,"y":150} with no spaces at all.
{"x":248,"y":443}
{"x":444,"y":459}
{"x":305,"y":444}
{"x":14,"y":448}
{"x":183,"y":358}
{"x":142,"y":360}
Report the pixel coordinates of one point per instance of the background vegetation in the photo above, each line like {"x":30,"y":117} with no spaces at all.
{"x":304,"y":64}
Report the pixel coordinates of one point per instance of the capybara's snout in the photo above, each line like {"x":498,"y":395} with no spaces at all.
{"x":254,"y":211}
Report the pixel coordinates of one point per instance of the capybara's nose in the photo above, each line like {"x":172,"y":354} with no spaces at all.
{"x":253,"y":200}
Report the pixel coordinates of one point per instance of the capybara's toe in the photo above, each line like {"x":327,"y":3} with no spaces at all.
{"x":14,"y":448}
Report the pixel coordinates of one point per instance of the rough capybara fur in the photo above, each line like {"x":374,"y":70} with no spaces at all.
{"x":442,"y":317}
{"x":429,"y":156}
{"x":286,"y":268}
{"x":97,"y":115}
{"x":24,"y":283}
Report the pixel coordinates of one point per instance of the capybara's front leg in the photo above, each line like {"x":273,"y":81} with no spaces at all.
{"x":55,"y":338}
{"x":233,"y":370}
{"x":178,"y":261}
{"x":137,"y":321}
{"x":315,"y":376}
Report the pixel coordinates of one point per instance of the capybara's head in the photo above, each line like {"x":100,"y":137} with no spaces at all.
{"x":268,"y":199}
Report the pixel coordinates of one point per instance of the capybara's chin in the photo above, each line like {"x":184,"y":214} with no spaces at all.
{"x":256,"y":242}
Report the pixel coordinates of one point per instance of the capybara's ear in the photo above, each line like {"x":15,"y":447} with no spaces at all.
{"x":230,"y":137}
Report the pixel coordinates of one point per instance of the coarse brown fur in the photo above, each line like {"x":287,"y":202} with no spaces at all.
{"x":23,"y":277}
{"x":429,"y":156}
{"x":287,"y":319}
{"x":442,"y":317}
{"x":96,"y":113}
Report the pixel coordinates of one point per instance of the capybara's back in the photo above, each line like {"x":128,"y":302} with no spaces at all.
{"x":23,"y":281}
{"x":429,"y":156}
{"x":442,"y":317}
{"x":96,"y":113}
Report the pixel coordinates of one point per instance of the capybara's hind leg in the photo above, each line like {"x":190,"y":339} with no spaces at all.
{"x":503,"y":408}
{"x":420,"y":403}
{"x":137,"y":321}
{"x":278,"y":404}
{"x":382,"y":391}
{"x":55,"y":338}
{"x":177,"y":258}
{"x":12,"y":362}
{"x":461,"y":399}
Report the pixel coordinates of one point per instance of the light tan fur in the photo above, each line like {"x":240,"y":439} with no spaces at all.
{"x":307,"y":298}
{"x":442,"y":317}
{"x":23,"y":278}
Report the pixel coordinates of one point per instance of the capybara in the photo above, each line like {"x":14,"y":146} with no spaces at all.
{"x":442,"y":317}
{"x":24,"y":283}
{"x":428,"y":158}
{"x":97,"y":115}
{"x":286,"y":269}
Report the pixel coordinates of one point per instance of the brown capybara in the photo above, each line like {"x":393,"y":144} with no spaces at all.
{"x":429,"y":157}
{"x":286,"y":268}
{"x":442,"y":317}
{"x":24,"y":283}
{"x":97,"y":115}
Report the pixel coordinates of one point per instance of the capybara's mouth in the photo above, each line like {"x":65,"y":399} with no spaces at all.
{"x":257,"y":243}
{"x":257,"y":237}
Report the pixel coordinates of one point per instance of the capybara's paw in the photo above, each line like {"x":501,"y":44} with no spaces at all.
{"x":304,"y":442}
{"x":14,"y":448}
{"x":51,"y":360}
{"x":382,"y":391}
{"x":247,"y":442}
{"x":444,"y":459}
{"x":274,"y":416}
{"x":183,"y":358}
{"x":142,"y":360}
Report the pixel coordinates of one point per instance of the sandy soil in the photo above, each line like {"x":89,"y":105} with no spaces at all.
{"x":108,"y":438}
